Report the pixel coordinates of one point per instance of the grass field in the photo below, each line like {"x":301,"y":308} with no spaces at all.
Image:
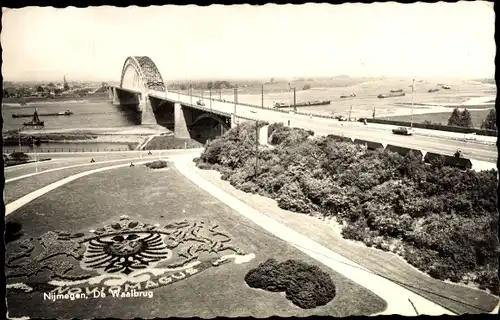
{"x":22,"y":187}
{"x":164,"y":197}
{"x":478,"y":117}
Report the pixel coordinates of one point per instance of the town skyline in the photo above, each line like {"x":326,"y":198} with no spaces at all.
{"x":313,"y":40}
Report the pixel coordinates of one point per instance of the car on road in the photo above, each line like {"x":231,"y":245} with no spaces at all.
{"x":200,"y":102}
{"x":341,"y":118}
{"x":470,"y":136}
{"x":403,"y":131}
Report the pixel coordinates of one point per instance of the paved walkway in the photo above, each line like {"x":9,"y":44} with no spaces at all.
{"x":400,"y":300}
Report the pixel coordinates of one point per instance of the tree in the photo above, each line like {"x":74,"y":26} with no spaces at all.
{"x":39,"y":89}
{"x":454,"y":119}
{"x":210,"y":85}
{"x":491,"y":120}
{"x":465,"y":119}
{"x":307,"y":87}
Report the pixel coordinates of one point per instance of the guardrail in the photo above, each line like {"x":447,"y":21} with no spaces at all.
{"x":49,"y":150}
{"x":482,"y":132}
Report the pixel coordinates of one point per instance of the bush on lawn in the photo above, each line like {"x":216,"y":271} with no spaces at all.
{"x":445,"y":218}
{"x":307,"y":286}
{"x":158,"y":164}
{"x":19,"y":156}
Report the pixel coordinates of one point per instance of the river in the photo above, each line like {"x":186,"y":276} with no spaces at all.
{"x":85,"y":115}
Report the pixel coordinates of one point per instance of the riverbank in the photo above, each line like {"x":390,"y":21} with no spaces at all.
{"x":18,"y":102}
{"x":82,"y":138}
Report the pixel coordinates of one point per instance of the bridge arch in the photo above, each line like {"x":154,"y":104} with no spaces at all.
{"x":140,"y":72}
{"x":211,"y":116}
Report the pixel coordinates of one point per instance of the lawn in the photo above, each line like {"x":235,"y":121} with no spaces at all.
{"x":19,"y":188}
{"x":165,"y":197}
{"x":478,"y":117}
{"x":170,"y":142}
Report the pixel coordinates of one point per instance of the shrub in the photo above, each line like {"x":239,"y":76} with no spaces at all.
{"x":446,"y":218}
{"x":307,"y":286}
{"x":19,"y":156}
{"x":158,"y":164}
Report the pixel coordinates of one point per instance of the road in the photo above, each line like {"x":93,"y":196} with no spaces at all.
{"x":443,"y":145}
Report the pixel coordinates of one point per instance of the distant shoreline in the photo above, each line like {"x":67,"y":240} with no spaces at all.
{"x":16,"y":102}
{"x":30,"y":104}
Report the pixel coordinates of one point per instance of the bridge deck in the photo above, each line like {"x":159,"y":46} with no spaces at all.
{"x":354,"y":130}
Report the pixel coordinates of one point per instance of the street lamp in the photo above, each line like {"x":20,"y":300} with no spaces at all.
{"x":36,"y":161}
{"x":412,"y":99}
{"x":256,"y":148}
{"x":294,"y":97}
{"x":210,"y":90}
{"x":190,"y":93}
{"x":262,"y":97}
{"x":235,"y":102}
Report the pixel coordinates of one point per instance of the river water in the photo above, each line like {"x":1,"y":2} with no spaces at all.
{"x":102,"y":114}
{"x":85,"y":115}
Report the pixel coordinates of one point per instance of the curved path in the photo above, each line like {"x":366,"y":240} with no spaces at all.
{"x":400,"y":300}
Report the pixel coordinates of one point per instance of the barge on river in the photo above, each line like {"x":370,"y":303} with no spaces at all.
{"x":302,"y":104}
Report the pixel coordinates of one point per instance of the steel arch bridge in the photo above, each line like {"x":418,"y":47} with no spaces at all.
{"x":141,"y":73}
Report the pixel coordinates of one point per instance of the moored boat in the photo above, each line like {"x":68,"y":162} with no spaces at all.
{"x":35,"y":122}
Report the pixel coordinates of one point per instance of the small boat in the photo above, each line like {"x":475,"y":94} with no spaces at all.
{"x":397,"y":91}
{"x":353,"y":95}
{"x":65,"y":113}
{"x":36,"y":122}
{"x":391,"y":95}
{"x":433,"y":90}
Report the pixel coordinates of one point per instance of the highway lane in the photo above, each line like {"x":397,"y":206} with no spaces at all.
{"x":321,"y":126}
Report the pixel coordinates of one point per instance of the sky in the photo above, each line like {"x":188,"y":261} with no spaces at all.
{"x":243,"y":41}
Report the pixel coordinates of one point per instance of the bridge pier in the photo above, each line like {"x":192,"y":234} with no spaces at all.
{"x":180,"y":124}
{"x":233,"y":121}
{"x":116,"y":99}
{"x":147,"y":113}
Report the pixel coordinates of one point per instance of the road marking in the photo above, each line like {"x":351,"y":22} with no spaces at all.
{"x":13,"y":206}
{"x":395,"y":295}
